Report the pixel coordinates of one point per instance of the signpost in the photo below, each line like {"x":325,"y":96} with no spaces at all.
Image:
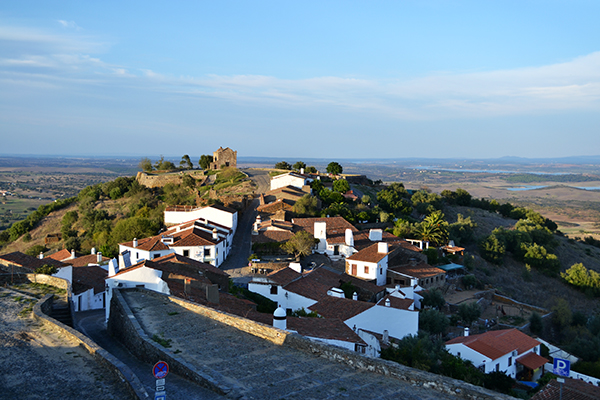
{"x":562,"y":367}
{"x":160,"y":371}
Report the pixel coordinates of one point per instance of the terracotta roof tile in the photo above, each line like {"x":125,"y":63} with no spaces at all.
{"x":335,"y":225}
{"x":420,"y":271}
{"x":495,"y":344}
{"x":532,"y":361}
{"x":396,"y":302}
{"x":153,"y":243}
{"x":572,"y":389}
{"x":28,"y":262}
{"x":344,"y":309}
{"x":371,"y":253}
{"x":84,"y":261}
{"x":284,"y":276}
{"x":272,"y":236}
{"x":85,"y":278}
{"x":61,"y":255}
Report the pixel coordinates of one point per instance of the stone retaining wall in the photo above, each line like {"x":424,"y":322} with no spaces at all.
{"x":129,"y":380}
{"x":122,"y":324}
{"x":160,"y":180}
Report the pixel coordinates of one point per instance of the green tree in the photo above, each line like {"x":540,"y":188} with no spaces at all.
{"x":366,"y":199}
{"x":283,"y":165}
{"x":581,"y":277}
{"x":186,"y":162}
{"x":341,"y":186}
{"x":433,"y":298}
{"x":35,"y":251}
{"x":433,"y":321}
{"x":298,"y":165}
{"x":188,"y":181}
{"x":536,"y":325}
{"x":306,"y":205}
{"x":310,"y":170}
{"x":561,"y":313}
{"x":462,"y":230}
{"x":538,"y":257}
{"x":403,"y":228}
{"x":145,"y":164}
{"x":47,"y":269}
{"x":205,"y":161}
{"x":492,"y":249}
{"x":469,"y":312}
{"x":433,"y":229}
{"x":163,"y":165}
{"x":300,"y":245}
{"x":334,"y":168}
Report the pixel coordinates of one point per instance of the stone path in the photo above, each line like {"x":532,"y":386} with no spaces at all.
{"x":261,"y":369}
{"x":41,"y":365}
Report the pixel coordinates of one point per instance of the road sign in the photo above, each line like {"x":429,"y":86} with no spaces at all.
{"x":160,"y":370}
{"x":160,"y":396}
{"x":562,"y":367}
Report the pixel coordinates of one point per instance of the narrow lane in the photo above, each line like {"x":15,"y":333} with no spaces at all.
{"x":91,"y":324}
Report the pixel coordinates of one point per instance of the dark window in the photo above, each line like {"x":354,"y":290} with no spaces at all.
{"x":186,"y":253}
{"x":206,"y":252}
{"x":156,"y":255}
{"x":509,"y":361}
{"x":497,"y":367}
{"x":366,"y":269}
{"x":273,"y":289}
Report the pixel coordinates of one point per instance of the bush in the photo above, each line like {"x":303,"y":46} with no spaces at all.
{"x":46,"y":269}
{"x":35,"y":251}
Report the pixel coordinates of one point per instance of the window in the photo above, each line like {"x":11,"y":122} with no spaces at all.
{"x":206,"y":252}
{"x":273,"y":289}
{"x":366,"y":269}
{"x":509,"y":361}
{"x":186,"y":253}
{"x":497,"y":367}
{"x":458,"y":354}
{"x":380,"y":271}
{"x":156,"y":255}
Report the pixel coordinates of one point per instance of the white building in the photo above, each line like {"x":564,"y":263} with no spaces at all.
{"x":221,"y":215}
{"x":370,"y":263}
{"x":200,"y":240}
{"x":509,"y":351}
{"x":299,"y":180}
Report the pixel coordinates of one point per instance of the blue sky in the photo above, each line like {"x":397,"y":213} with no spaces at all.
{"x":328,"y":79}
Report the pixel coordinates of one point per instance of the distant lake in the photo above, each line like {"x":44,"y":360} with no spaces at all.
{"x":533,"y":187}
{"x":487,"y":171}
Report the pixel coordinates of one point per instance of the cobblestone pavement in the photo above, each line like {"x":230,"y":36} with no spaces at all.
{"x":260,"y":368}
{"x":40,"y":365}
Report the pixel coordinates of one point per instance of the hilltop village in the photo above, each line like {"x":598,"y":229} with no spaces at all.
{"x":337,"y":259}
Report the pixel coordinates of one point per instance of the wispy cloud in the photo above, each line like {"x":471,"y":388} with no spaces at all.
{"x":31,"y":55}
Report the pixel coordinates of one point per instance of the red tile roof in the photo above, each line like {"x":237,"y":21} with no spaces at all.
{"x":61,"y":255}
{"x":420,"y":271}
{"x":85,"y":278}
{"x":335,"y":225}
{"x":272,"y":236}
{"x":371,"y":254}
{"x":396,"y":302}
{"x":84,"y":261}
{"x":284,"y":276}
{"x":176,"y":258}
{"x":495,"y":344}
{"x":153,"y":243}
{"x":532,"y":361}
{"x":25,"y":261}
{"x":572,"y":389}
{"x":344,"y":309}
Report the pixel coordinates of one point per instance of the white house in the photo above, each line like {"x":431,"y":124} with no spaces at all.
{"x":200,"y":240}
{"x":295,"y":179}
{"x":509,"y":351}
{"x":335,"y":235}
{"x":394,"y":315}
{"x":221,"y":215}
{"x":370,"y":263}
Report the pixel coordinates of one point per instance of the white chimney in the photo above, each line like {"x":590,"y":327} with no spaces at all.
{"x":93,"y":250}
{"x":113,"y":267}
{"x":99,"y":257}
{"x":375,"y":235}
{"x":386,"y":336}
{"x":451,"y":243}
{"x":215,"y":235}
{"x":466,"y":331}
{"x":73,"y":254}
{"x":321,"y":230}
{"x":296,"y":267}
{"x":280,"y":318}
{"x":135,"y":243}
{"x":354,"y":296}
{"x":382,"y":247}
{"x":349,"y":238}
{"x":387,"y":302}
{"x":336,"y":292}
{"x":41,"y":256}
{"x":414,"y":282}
{"x":302,"y":171}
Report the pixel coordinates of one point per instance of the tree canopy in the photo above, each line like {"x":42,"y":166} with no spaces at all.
{"x":300,"y":245}
{"x":283,"y":165}
{"x":205,"y":161}
{"x":334,"y":168}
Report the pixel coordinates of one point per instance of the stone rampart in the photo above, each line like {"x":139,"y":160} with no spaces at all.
{"x":159,"y":180}
{"x":123,"y":324}
{"x":129,"y":380}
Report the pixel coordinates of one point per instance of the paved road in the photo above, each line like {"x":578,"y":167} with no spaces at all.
{"x":91,"y":324}
{"x":258,"y":368}
{"x":241,"y":247}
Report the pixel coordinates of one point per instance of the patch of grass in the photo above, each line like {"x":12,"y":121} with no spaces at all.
{"x":161,"y":340}
{"x":24,"y":313}
{"x":177,"y":351}
{"x":173,"y":313}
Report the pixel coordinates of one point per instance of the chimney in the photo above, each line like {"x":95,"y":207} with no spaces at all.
{"x":354,"y":296}
{"x":375,"y":235}
{"x":382,"y":247}
{"x":387,"y":302}
{"x":73,"y":254}
{"x":321,"y":230}
{"x":349,"y":238}
{"x":215,"y":235}
{"x":135,"y":243}
{"x":451,"y":243}
{"x":386,"y":336}
{"x":414,"y":282}
{"x":93,"y":250}
{"x":113,"y":267}
{"x":336,"y":292}
{"x":41,"y":256}
{"x":99,"y":257}
{"x":397,"y":288}
{"x":466,"y":331}
{"x":280,"y":318}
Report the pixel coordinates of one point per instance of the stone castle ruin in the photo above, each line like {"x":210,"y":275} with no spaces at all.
{"x":224,"y":157}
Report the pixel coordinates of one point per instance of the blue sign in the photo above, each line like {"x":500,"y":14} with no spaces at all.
{"x":562,"y":367}
{"x":160,"y":370}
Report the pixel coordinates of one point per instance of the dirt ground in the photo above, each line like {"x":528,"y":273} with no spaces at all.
{"x":42,"y":365}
